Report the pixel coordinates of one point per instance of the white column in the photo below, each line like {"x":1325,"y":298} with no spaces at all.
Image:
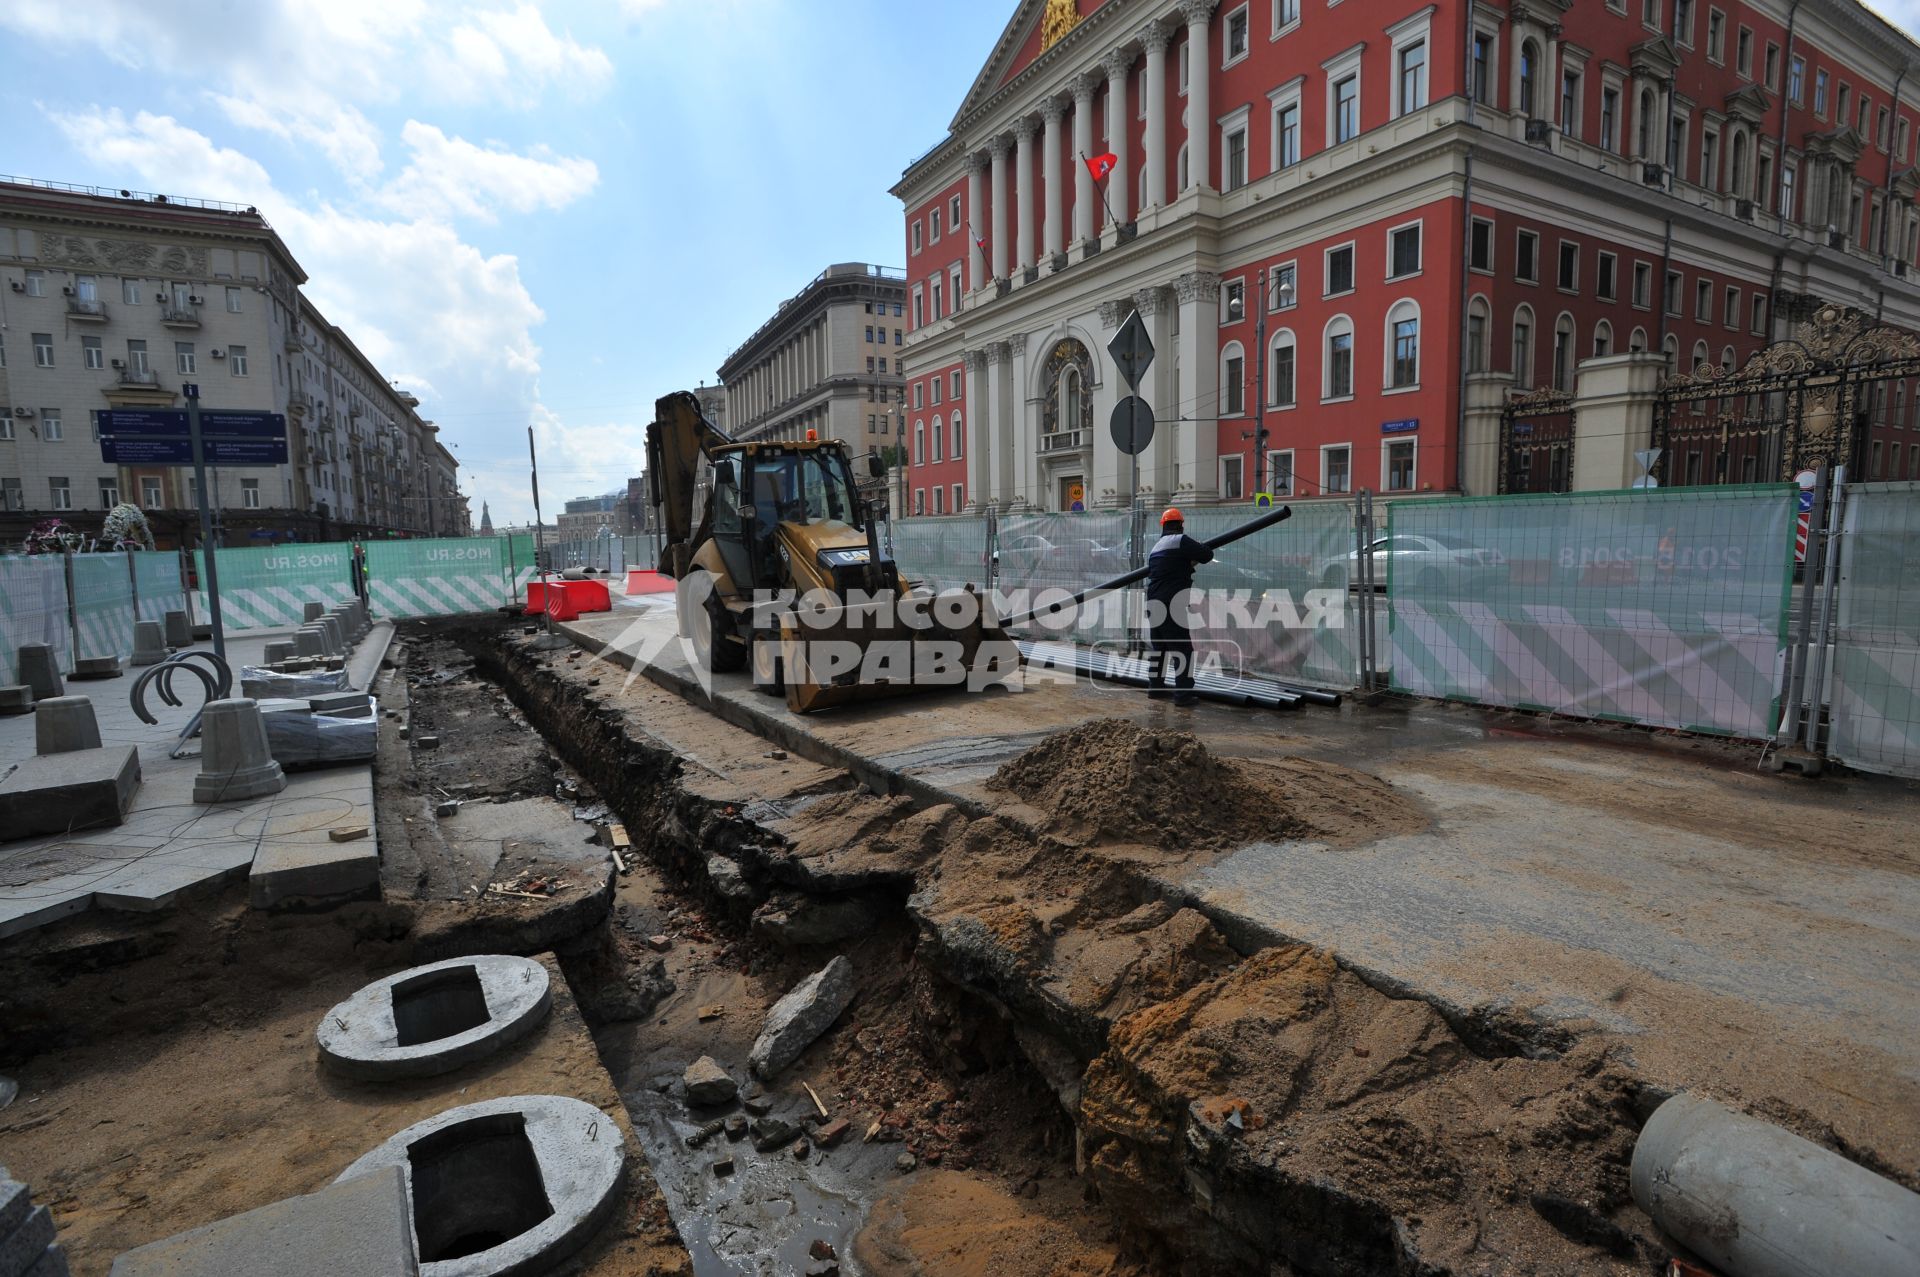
{"x":1084,"y":196}
{"x":1000,"y":393}
{"x":1052,"y":110}
{"x":1118,"y":65}
{"x":1001,"y":145}
{"x":976,"y":260}
{"x":979,"y":433}
{"x":1022,"y":464}
{"x":1199,"y":92}
{"x":1198,"y":295}
{"x":1024,"y":154}
{"x":1155,"y":38}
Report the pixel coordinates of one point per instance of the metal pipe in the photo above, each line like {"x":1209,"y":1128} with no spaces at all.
{"x":1107,"y":587}
{"x":1753,"y":1199}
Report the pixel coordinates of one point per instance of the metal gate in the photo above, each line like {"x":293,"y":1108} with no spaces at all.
{"x":1841,"y":390}
{"x":1536,"y":442}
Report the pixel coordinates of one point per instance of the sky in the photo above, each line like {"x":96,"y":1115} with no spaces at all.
{"x":527,"y":213}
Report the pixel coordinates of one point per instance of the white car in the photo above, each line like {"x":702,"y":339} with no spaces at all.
{"x":1425,"y":560}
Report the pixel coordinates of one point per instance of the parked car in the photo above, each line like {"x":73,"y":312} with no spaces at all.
{"x":1426,"y":559}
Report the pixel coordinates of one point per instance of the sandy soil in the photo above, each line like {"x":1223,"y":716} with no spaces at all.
{"x":948,"y":1224}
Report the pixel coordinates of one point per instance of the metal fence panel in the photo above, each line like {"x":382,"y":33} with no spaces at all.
{"x":1062,"y":553}
{"x":441,"y":577}
{"x":33,"y":609}
{"x":1278,"y":602}
{"x":1876,"y":670}
{"x":156,"y":575}
{"x":945,"y":552}
{"x":1666,"y":608}
{"x":102,"y":606}
{"x":267,"y":587}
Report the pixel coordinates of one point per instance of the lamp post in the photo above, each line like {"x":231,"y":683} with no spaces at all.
{"x":1283,"y":299}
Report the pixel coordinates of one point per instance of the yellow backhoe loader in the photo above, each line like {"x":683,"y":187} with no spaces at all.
{"x":778,"y":563}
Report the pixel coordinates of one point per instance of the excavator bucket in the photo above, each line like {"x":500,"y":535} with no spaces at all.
{"x":678,"y":439}
{"x":884,"y":647}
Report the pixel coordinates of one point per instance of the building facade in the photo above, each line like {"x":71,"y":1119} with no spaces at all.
{"x":117,"y":300}
{"x":582,"y":518}
{"x":1423,"y":206}
{"x":828,"y":360}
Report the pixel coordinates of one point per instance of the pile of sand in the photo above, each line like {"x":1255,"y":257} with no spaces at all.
{"x":1113,"y":781}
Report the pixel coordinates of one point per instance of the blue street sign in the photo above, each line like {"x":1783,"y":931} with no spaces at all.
{"x":159,"y":437}
{"x":1406,"y":426}
{"x":1806,"y":503}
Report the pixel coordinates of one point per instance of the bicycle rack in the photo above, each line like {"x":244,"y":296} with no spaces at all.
{"x":217,"y":678}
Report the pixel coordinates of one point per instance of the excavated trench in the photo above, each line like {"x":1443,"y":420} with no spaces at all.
{"x":1235,"y":1105}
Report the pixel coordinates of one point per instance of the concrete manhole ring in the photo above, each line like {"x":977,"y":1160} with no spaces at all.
{"x":504,"y":1187}
{"x":433,"y":1019}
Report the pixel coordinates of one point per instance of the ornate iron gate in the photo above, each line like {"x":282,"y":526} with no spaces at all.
{"x":1840,"y":390}
{"x":1536,"y":442}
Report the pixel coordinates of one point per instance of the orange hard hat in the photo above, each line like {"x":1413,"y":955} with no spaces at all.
{"x":1172,"y":515}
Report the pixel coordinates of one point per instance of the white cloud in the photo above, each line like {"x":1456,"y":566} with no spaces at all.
{"x":454,"y":177}
{"x":513,"y":56}
{"x":164,"y":152}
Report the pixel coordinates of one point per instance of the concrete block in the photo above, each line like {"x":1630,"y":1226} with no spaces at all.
{"x":83,"y":789}
{"x":235,"y":761}
{"x":21,"y":1249}
{"x":335,"y":632}
{"x":15,"y":1203}
{"x":285,"y":870}
{"x":40,"y":670}
{"x":360,"y":1226}
{"x":309,"y":643}
{"x":16,"y":698}
{"x":97,"y":667}
{"x":312,"y":611}
{"x":52,"y":1263}
{"x":149,"y":643}
{"x":62,"y":724}
{"x":179,"y":634}
{"x":343,"y":705}
{"x":279,"y":650}
{"x":801,"y":1016}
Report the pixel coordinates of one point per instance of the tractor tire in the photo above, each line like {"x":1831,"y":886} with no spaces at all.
{"x":769,"y":678}
{"x":704,"y":623}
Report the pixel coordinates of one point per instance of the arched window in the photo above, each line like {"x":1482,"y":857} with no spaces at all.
{"x":1701,"y":355}
{"x":1563,"y":355}
{"x":1233,"y":380}
{"x":1739,"y":166}
{"x":1336,"y":376}
{"x":1479,"y":325}
{"x":1643,"y":130}
{"x":1402,"y":346}
{"x":939,"y":440}
{"x":1069,"y":395}
{"x":959,"y":440}
{"x":1523,"y":348}
{"x":1726,"y":358}
{"x":1602,"y":339}
{"x":1529,"y":77}
{"x":919,"y":500}
{"x":1637,"y":343}
{"x":1181,"y":169}
{"x":1280,"y":369}
{"x":919,"y":443}
{"x":1670,"y":349}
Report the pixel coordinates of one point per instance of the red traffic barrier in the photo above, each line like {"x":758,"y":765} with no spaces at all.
{"x":647,"y":581}
{"x":566,"y":600}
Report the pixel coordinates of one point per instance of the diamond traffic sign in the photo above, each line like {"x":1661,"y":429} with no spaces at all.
{"x":1132,"y":350}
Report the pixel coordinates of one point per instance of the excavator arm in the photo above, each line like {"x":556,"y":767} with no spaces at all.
{"x":677,"y":441}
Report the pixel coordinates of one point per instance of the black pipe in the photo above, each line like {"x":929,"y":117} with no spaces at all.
{"x":1107,"y":587}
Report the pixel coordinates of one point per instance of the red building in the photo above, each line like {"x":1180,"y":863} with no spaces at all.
{"x":1424,"y":200}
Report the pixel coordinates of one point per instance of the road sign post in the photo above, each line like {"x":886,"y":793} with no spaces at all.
{"x":1132,"y":351}
{"x":192,"y":392}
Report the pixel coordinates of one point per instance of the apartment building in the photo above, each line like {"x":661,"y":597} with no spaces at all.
{"x":828,"y":360}
{"x":1411,"y":199}
{"x":116,"y":300}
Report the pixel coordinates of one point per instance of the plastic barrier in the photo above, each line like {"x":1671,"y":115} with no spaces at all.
{"x":268,"y":587}
{"x":647,"y":581}
{"x":566,"y":600}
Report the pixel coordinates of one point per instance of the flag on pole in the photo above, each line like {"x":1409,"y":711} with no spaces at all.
{"x":1102,"y":164}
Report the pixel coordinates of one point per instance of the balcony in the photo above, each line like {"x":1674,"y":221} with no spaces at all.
{"x":89,"y":309}
{"x":1064,"y":441}
{"x":137,"y":377}
{"x":177,"y":316}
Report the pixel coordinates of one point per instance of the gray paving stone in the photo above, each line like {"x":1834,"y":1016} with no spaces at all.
{"x":82,"y":789}
{"x":358,"y":1226}
{"x":286,"y":869}
{"x":20,"y":1249}
{"x":15,"y":1202}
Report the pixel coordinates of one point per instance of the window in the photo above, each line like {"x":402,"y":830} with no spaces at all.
{"x":933,"y":227}
{"x":1398,"y":468}
{"x":883,"y":363}
{"x":937,"y":312}
{"x":953,"y":212}
{"x":1234,"y":166}
{"x":1336,"y":469}
{"x":1716,"y":35}
{"x":1412,"y":82}
{"x":1403,"y":334}
{"x":1285,"y":14}
{"x":1231,"y":483}
{"x":237,"y":360}
{"x":1233,"y":381}
{"x":1710,"y":159}
{"x":1643,"y":132}
{"x":58,"y":491}
{"x":1570,"y":103}
{"x":233,"y":301}
{"x":955,"y":391}
{"x":1235,"y":46}
{"x":1345,"y":117}
{"x":958,"y":489}
{"x":1477,"y":321}
{"x":1526,"y":264}
{"x":137,"y":365}
{"x":1339,"y":270}
{"x":1672,"y":295}
{"x":936,"y":386}
{"x":1283,"y":288}
{"x":919,"y":443}
{"x":1523,"y":349}
{"x":6,"y":425}
{"x":130,"y":291}
{"x":1602,"y":339}
{"x":1842,"y":103}
{"x":953,"y":287}
{"x":93,"y":355}
{"x":1758,"y":324}
{"x":183,"y":358}
{"x":1529,"y":79}
{"x":1480,"y":255}
{"x":1786,"y":192}
{"x":1820,"y":93}
{"x":1280,"y":370}
{"x":1773,"y":68}
{"x":50,"y":428}
{"x":109,"y":493}
{"x":1796,"y":78}
{"x":36,"y":283}
{"x":1683,"y":22}
{"x":1563,"y":339}
{"x":919,"y":394}
{"x":1280,"y":473}
{"x":1483,"y":68}
{"x":1338,"y":379}
{"x":1403,"y":251}
{"x":1703,"y":301}
{"x":149,"y":493}
{"x":1286,"y":133}
{"x":913,"y":232}
{"x":1730,"y":309}
{"x":959,"y":443}
{"x":1233,"y":301}
{"x":1569,"y":277}
{"x":937,"y":436}
{"x":43,"y":350}
{"x":1743,"y":53}
{"x":939,"y":495}
{"x":1603,"y":279}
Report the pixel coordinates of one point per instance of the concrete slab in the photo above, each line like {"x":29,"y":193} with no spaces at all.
{"x":297,"y":860}
{"x":360,"y":1226}
{"x":52,"y":1263}
{"x":21,"y":1249}
{"x":80,"y":789}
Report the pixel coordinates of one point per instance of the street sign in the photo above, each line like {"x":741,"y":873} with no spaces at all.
{"x":162,"y":437}
{"x":1132,"y":350}
{"x":1132,"y":425}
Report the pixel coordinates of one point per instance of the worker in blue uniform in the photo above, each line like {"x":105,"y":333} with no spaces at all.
{"x":1170,"y":566}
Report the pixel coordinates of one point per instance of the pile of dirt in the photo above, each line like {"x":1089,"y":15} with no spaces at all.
{"x":1113,"y":781}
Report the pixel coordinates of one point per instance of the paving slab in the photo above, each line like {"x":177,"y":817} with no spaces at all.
{"x":298,"y":860}
{"x":359,"y":1226}
{"x":76,"y":789}
{"x":21,"y":1249}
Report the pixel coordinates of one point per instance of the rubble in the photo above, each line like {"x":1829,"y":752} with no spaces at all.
{"x":708,"y":1085}
{"x":801,"y":1016}
{"x":791,"y":919}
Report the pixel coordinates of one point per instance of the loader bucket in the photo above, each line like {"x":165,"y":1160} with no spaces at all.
{"x":893,"y":646}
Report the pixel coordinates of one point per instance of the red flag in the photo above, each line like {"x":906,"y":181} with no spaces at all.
{"x":1101,"y":165}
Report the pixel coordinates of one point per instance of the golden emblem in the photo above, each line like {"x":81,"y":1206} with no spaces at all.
{"x":1062,"y":16}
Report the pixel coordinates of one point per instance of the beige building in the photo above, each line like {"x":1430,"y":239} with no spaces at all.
{"x":828,"y":360}
{"x":116,"y":300}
